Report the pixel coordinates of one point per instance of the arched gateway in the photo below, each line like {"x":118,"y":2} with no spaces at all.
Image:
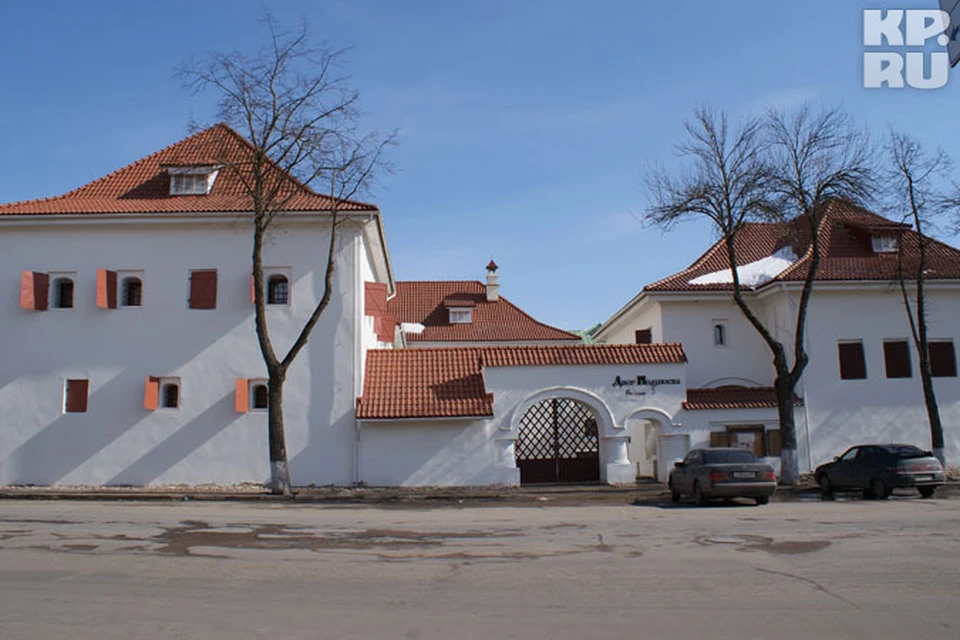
{"x":558,"y":440}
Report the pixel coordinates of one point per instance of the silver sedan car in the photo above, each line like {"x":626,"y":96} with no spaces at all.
{"x":722,"y":473}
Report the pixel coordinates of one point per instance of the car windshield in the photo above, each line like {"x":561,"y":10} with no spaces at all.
{"x":726,"y":456}
{"x":907,"y":451}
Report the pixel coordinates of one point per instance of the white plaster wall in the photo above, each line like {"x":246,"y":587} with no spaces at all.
{"x":117,"y":441}
{"x":745,"y":355}
{"x":641,"y":316}
{"x":470,"y":452}
{"x":430,"y":453}
{"x":847,"y":412}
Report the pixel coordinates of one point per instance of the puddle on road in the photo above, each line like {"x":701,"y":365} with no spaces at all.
{"x":746,"y":542}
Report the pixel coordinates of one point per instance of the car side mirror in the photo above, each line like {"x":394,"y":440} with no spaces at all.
{"x":679,"y":465}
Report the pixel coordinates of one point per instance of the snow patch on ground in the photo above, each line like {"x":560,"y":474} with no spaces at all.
{"x":752,"y":274}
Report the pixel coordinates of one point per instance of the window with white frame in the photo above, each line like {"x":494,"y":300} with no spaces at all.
{"x":884,"y":243}
{"x":460,"y":315}
{"x":191,"y":181}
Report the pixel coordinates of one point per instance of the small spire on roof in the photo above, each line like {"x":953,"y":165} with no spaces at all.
{"x":492,"y":266}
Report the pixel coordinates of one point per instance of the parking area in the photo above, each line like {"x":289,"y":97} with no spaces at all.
{"x":796,"y":568}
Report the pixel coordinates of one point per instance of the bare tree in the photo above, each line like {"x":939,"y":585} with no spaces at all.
{"x":815,"y":156}
{"x":775,"y":169}
{"x":301,"y":119}
{"x":915,"y":185}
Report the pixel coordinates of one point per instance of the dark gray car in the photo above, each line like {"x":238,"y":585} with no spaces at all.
{"x":880,"y":468}
{"x":722,"y":473}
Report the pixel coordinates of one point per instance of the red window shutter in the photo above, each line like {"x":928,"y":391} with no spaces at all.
{"x":203,"y":289}
{"x":34,"y":290}
{"x":375,"y":299}
{"x":77,"y":396}
{"x":385,"y":326}
{"x":240,"y":401}
{"x":853,"y":364}
{"x":151,"y":393}
{"x":896,"y":356}
{"x":943,"y":359}
{"x":643,"y":336}
{"x":106,"y":289}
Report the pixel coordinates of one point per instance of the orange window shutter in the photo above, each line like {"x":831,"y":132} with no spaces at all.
{"x":253,"y":290}
{"x":106,"y":289}
{"x":241,"y":401}
{"x":34,"y":287}
{"x":151,"y":393}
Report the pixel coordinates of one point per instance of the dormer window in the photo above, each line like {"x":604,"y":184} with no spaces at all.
{"x":460,"y":315}
{"x":191,"y":181}
{"x":884,"y":243}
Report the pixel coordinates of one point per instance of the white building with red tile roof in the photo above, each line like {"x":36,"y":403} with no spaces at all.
{"x":129,"y":353}
{"x":862,"y":383}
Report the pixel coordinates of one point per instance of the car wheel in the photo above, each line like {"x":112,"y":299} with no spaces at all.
{"x":674,"y":494}
{"x":927,"y":492}
{"x":826,"y":487}
{"x":698,"y":495}
{"x":762,"y":499}
{"x":879,"y":489}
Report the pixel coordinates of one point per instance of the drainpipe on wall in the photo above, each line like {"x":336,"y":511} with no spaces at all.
{"x":357,"y":352}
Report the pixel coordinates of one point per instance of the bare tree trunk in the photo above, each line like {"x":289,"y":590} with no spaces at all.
{"x":789,"y":464}
{"x":279,"y":468}
{"x":786,"y":378}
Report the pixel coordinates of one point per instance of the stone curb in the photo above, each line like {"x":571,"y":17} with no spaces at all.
{"x":570,"y":495}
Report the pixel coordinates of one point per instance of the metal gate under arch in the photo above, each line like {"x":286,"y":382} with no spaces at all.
{"x":558,"y":441}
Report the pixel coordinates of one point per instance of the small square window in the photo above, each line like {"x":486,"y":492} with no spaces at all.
{"x":131,"y":288}
{"x":460,"y":315}
{"x":169,"y":393}
{"x":643,"y":336}
{"x":62,"y":286}
{"x":884,"y":243}
{"x":259,"y":395}
{"x":719,"y":333}
{"x":196,"y":181}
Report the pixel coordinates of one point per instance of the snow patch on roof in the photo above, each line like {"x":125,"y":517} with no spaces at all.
{"x":752,"y":274}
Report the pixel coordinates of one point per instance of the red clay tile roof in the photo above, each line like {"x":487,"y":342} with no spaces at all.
{"x":733,"y":397}
{"x":846,"y":252}
{"x":426,"y":303}
{"x":144,"y":186}
{"x":448,"y":382}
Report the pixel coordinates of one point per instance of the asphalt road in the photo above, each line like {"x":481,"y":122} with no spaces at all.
{"x":801,"y":569}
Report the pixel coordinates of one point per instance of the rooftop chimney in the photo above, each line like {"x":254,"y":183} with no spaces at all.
{"x":493,"y":282}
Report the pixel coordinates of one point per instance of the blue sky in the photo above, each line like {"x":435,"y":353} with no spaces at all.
{"x":525,"y":127}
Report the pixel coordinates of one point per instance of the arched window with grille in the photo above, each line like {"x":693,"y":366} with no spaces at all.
{"x":63,"y":293}
{"x":278,"y":289}
{"x":132,"y":291}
